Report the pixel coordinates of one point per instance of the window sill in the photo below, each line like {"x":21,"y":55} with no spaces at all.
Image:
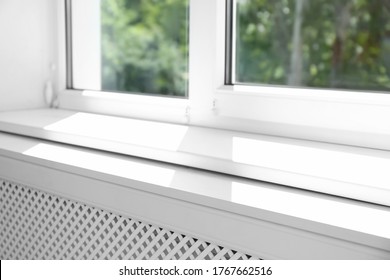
{"x":352,"y":172}
{"x":351,"y":229}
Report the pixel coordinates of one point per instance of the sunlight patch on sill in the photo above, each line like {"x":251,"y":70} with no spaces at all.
{"x":309,"y":207}
{"x":125,"y":168}
{"x":322,"y":163}
{"x":130,"y":131}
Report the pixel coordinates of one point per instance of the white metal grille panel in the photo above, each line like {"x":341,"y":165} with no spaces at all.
{"x":38,"y":225}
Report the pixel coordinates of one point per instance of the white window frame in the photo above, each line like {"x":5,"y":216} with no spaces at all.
{"x":343,"y":117}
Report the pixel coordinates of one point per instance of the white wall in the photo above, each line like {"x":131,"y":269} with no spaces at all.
{"x":27,"y":46}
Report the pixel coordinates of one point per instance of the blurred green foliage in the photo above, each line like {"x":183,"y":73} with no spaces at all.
{"x":341,"y":44}
{"x":145,"y":46}
{"x":308,"y":43}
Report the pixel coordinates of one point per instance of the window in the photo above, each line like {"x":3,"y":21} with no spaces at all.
{"x":323,"y":44}
{"x":130,"y":46}
{"x":257,"y":98}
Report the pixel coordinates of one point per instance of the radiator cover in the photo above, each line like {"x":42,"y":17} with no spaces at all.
{"x":39,"y":225}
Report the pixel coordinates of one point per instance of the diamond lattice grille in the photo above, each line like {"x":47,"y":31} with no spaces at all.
{"x":38,"y":225}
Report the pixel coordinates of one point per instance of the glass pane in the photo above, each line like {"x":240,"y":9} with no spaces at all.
{"x":321,"y":43}
{"x":138,"y":46}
